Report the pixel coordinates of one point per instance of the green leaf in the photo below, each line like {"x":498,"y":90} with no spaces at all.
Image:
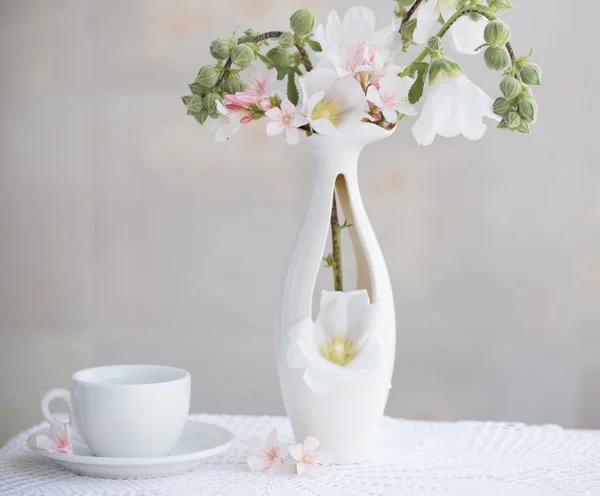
{"x":292,"y":89}
{"x":315,"y":45}
{"x":416,"y":90}
{"x":185,"y":99}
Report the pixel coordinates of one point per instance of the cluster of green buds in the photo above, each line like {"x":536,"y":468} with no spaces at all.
{"x":233,"y":55}
{"x":516,"y":105}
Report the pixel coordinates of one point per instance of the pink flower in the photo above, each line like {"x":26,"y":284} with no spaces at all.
{"x":60,"y":441}
{"x":268,"y":456}
{"x":287,"y":118}
{"x":391,"y":97}
{"x":309,"y":461}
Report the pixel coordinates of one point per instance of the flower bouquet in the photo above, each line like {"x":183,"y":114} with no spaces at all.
{"x":338,"y":87}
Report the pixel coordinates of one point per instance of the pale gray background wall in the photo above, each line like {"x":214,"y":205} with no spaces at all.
{"x":128,"y":235}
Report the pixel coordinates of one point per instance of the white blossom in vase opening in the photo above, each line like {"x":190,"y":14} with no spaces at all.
{"x":341,"y":345}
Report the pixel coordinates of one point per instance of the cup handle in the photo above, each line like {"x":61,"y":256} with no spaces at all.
{"x":65,"y":395}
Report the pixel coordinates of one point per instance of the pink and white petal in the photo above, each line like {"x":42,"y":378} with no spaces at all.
{"x":273,"y":439}
{"x":296,"y":452}
{"x":284,"y":449}
{"x":390,"y":115}
{"x":275,"y":467}
{"x":302,"y":469}
{"x":288,"y":469}
{"x":374,"y":96}
{"x":293,"y":136}
{"x":256,"y":445}
{"x":274,"y":114}
{"x":67,"y":450}
{"x":299,"y":120}
{"x":361,"y":21}
{"x":257,"y":463}
{"x":45,"y":443}
{"x":406,"y":108}
{"x":310,"y":444}
{"x":288,"y":107}
{"x":274,"y":128}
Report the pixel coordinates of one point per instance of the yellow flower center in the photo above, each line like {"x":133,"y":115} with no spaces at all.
{"x":327,"y":109}
{"x":340,"y":350}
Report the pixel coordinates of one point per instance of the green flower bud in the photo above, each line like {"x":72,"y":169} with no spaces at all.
{"x":474,"y":16}
{"x":242,"y":56}
{"x":286,"y":40}
{"x":302,"y":22}
{"x":496,"y":33}
{"x":511,"y":87}
{"x":210,"y":104}
{"x":524,"y":128}
{"x":531,"y":74}
{"x":528,"y":110}
{"x":251,"y":33}
{"x":513,"y":120}
{"x":503,"y":124}
{"x":443,"y":65}
{"x":435,"y":44}
{"x":194,"y":104}
{"x":279,"y":57}
{"x":221,"y":48}
{"x":407,"y":30}
{"x":232,"y":85}
{"x":502,"y":107}
{"x":207,"y":77}
{"x":500,"y":4}
{"x":496,"y":58}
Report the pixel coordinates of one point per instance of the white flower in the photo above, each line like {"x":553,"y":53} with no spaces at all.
{"x":226,"y":125}
{"x":286,"y":118}
{"x":309,"y":460}
{"x":259,"y":80}
{"x":454,"y":106}
{"x":392,"y":97}
{"x":268,"y":456}
{"x":465,"y":34}
{"x":329,"y":102}
{"x":340,"y":346}
{"x":354,"y":47}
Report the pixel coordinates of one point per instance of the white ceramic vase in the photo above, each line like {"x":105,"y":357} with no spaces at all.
{"x":345,"y":419}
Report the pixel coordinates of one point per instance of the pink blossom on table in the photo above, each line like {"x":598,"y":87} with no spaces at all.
{"x":287,"y":118}
{"x":309,"y":460}
{"x":260,"y":81}
{"x":391,"y":97}
{"x":60,"y":442}
{"x":269,"y":456}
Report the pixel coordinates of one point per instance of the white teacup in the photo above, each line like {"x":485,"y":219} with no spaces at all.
{"x":126,"y":410}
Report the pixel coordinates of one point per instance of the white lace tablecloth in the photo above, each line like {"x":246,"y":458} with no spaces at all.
{"x":414,"y":458}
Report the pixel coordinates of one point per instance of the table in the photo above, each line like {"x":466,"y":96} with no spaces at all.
{"x":414,"y":458}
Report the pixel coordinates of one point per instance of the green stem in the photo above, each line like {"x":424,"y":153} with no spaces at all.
{"x":336,"y":246}
{"x":484,"y":11}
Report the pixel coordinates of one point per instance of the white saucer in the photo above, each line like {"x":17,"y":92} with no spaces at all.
{"x":199,"y":440}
